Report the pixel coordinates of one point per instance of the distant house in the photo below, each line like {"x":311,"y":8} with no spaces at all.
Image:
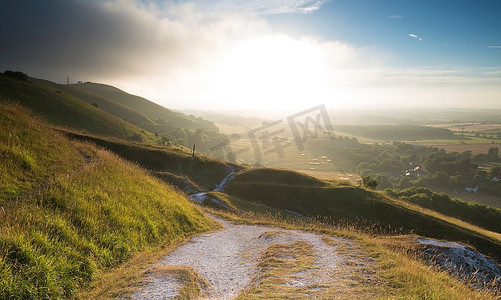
{"x":474,"y":190}
{"x":414,"y":172}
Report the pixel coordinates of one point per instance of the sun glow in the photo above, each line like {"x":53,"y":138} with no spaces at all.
{"x":272,"y":72}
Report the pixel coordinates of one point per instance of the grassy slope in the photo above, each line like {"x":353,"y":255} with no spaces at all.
{"x":345,"y":203}
{"x":60,"y":226}
{"x":142,"y":105}
{"x":62,"y":109}
{"x":204,"y":171}
{"x":113,"y":107}
{"x":478,"y":214}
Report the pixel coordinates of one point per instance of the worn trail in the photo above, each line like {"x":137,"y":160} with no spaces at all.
{"x":228,"y":261}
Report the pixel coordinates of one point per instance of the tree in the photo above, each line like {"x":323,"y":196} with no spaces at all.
{"x":456,"y":181}
{"x":493,"y":154}
{"x":494,"y":171}
{"x":16,"y":74}
{"x":404,"y":183}
{"x":362,"y":166}
{"x":369,"y":182}
{"x":477,"y":178}
{"x":441,"y":179}
{"x":467,"y":154}
{"x":383,"y":182}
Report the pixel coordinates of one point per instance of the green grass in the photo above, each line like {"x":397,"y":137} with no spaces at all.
{"x":146,"y":108}
{"x":64,"y":110}
{"x":61,"y":227}
{"x":24,"y":168}
{"x":475,"y":213}
{"x":204,"y":171}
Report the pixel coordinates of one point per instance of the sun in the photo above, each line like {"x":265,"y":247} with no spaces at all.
{"x":270,"y":72}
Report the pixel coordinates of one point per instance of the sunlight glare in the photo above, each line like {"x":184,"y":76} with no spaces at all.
{"x":272,"y":72}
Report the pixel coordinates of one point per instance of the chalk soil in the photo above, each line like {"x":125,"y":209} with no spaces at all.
{"x":228,"y":261}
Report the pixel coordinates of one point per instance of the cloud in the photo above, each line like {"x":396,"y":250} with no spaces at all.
{"x":262,"y":7}
{"x":494,"y":46}
{"x":196,"y":54}
{"x":412,"y":35}
{"x":394,"y":17}
{"x":103,"y":39}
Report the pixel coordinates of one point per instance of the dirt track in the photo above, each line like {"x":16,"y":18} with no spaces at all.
{"x":228,"y":261}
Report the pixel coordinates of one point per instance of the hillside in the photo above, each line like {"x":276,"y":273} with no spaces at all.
{"x":172,"y":126}
{"x":62,"y":109}
{"x":157,"y":114}
{"x":174,"y":163}
{"x":71,"y":210}
{"x":338,"y":202}
{"x":100,"y":109}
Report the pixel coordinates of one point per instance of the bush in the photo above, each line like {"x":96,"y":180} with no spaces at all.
{"x":369,"y":182}
{"x":16,"y":74}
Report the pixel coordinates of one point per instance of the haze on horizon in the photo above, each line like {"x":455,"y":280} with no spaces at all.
{"x":265,"y":55}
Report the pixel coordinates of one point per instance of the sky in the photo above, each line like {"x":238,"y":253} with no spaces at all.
{"x":266,"y":55}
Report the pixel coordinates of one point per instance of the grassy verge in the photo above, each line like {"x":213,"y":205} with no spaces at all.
{"x":191,"y":283}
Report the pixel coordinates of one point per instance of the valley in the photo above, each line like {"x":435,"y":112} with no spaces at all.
{"x":95,"y":206}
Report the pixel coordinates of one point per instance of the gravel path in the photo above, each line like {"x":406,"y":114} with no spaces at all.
{"x":228,"y":260}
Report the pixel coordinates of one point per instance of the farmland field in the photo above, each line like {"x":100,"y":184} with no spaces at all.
{"x":473,"y":127}
{"x":460,"y":148}
{"x":482,"y":198}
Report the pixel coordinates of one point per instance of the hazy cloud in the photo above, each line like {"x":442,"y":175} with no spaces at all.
{"x":103,"y":39}
{"x":394,"y":17}
{"x":495,"y":47}
{"x":262,"y":7}
{"x":204,"y":56}
{"x":412,"y":35}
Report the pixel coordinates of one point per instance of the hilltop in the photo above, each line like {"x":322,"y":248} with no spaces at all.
{"x":64,"y":110}
{"x":105,"y":110}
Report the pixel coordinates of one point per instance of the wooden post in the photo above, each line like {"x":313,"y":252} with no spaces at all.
{"x":193,"y":155}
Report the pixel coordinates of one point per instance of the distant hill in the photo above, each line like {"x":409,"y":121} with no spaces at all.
{"x":149,"y":115}
{"x":105,"y":110}
{"x":63,"y":109}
